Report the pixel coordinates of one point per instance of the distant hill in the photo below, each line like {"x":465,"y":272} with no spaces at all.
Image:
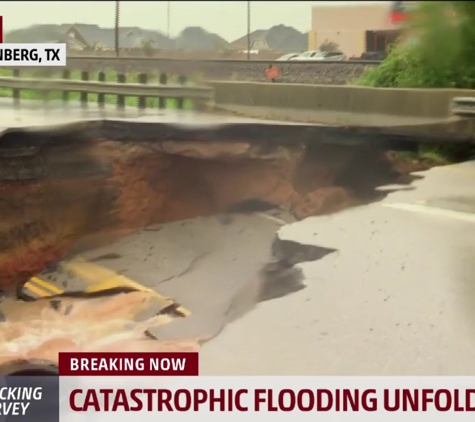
{"x":35,"y":33}
{"x":192,"y":38}
{"x":196,"y":38}
{"x":279,"y":37}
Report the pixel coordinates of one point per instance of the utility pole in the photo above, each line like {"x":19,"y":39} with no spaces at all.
{"x":117,"y":13}
{"x":168,"y":19}
{"x":248,"y":30}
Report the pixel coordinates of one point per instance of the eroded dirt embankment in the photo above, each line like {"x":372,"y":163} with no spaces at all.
{"x":90,"y":192}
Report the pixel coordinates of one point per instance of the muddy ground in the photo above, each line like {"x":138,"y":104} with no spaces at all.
{"x":75,"y":192}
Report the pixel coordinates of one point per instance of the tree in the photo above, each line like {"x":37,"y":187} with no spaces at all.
{"x":147,"y":47}
{"x":437,"y":51}
{"x":328,"y":45}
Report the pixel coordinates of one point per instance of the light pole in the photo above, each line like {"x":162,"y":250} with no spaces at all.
{"x":117,"y":13}
{"x":168,"y":19}
{"x":248,"y":30}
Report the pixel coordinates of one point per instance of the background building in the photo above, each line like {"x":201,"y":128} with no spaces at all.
{"x":355,"y":28}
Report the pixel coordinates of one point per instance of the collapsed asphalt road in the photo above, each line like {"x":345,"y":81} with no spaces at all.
{"x":215,"y":269}
{"x":117,"y":203}
{"x":107,"y":178}
{"x":397,"y":298}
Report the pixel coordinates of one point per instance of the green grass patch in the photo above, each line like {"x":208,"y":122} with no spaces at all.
{"x":425,"y":153}
{"x":441,"y":154}
{"x":111,"y":76}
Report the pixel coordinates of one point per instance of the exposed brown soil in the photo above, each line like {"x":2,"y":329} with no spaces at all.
{"x":89,"y":325}
{"x":41,"y":221}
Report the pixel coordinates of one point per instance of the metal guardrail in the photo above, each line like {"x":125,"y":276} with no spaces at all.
{"x":142,"y":90}
{"x":108,"y":88}
{"x":463,"y":106}
{"x":72,"y":59}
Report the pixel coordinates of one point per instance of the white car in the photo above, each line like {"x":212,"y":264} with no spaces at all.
{"x":310,"y":55}
{"x":320,"y":55}
{"x":287,"y":57}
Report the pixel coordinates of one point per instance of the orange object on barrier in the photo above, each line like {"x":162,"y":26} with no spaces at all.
{"x":272,"y":73}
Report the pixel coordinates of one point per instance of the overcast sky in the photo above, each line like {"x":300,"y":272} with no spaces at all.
{"x":226,"y":18}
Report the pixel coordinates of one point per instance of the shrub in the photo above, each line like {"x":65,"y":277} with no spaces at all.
{"x":437,"y":51}
{"x":328,"y":45}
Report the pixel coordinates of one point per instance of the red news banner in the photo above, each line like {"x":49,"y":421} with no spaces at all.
{"x":106,"y":385}
{"x":128,"y":364}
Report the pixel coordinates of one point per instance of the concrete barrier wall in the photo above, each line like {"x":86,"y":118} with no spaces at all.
{"x":413,"y":103}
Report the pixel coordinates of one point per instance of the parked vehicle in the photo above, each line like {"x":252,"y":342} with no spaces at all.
{"x":372,"y":55}
{"x":335,"y":55}
{"x":287,"y":57}
{"x":320,"y":55}
{"x":310,"y":55}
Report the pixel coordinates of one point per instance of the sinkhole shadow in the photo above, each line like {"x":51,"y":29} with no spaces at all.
{"x":280,"y":277}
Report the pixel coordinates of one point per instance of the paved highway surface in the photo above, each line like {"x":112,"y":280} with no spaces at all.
{"x":33,"y":113}
{"x":397,"y":297}
{"x":210,"y":266}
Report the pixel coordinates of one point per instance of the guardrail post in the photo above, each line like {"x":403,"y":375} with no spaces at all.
{"x":45,"y":95}
{"x":142,"y":101}
{"x":120,"y":98}
{"x":101,"y":98}
{"x":180,"y":102}
{"x":66,"y":75}
{"x":84,"y":96}
{"x":162,"y":101}
{"x":16,"y":92}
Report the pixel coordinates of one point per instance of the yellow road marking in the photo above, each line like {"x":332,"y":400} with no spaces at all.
{"x":99,"y":279}
{"x":102,"y":278}
{"x":110,"y":284}
{"x":47,"y":286}
{"x":29,"y":285}
{"x":184,"y":311}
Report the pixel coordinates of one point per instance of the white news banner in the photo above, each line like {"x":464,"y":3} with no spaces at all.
{"x":326,"y":399}
{"x":38,"y":55}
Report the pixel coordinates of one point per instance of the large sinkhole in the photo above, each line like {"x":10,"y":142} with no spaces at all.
{"x":59,"y":186}
{"x":190,"y":213}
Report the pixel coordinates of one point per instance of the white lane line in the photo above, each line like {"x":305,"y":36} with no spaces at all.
{"x":456,"y":215}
